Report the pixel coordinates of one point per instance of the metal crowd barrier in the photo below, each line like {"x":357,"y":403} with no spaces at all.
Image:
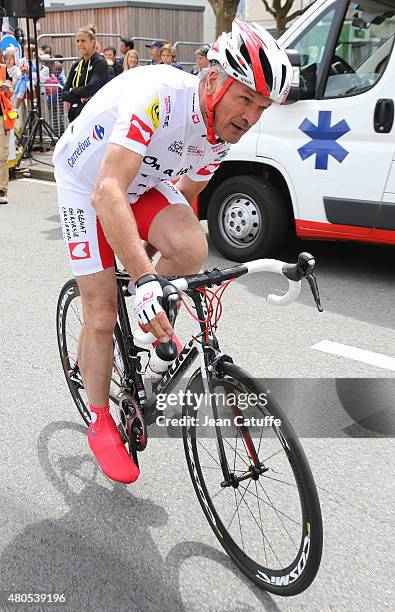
{"x":54,"y":110}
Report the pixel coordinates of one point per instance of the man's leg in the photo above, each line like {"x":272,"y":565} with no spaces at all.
{"x":95,"y":349}
{"x":95,"y":358}
{"x":177,"y":234}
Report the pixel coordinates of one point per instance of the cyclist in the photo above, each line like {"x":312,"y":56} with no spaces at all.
{"x":114,"y":166}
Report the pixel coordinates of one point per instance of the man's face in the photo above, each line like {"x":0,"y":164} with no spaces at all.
{"x":238,"y":111}
{"x":155,"y":53}
{"x":122,"y":47}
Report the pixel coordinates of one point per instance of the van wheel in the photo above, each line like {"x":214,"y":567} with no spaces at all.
{"x":247,"y":218}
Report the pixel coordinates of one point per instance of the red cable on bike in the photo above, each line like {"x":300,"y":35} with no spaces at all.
{"x":211,"y":295}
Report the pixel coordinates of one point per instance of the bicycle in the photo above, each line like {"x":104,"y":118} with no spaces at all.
{"x":249,"y":453}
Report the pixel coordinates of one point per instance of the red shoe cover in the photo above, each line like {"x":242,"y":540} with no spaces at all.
{"x":106,"y":444}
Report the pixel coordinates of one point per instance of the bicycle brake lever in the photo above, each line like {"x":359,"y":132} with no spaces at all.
{"x":314,"y":289}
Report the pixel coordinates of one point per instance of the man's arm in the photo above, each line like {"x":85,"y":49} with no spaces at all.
{"x":118,"y":169}
{"x":190,"y":189}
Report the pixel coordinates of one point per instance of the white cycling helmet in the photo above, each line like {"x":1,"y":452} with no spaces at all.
{"x":250,"y":55}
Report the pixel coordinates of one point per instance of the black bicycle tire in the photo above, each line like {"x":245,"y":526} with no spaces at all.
{"x":305,"y":482}
{"x":68,"y":292}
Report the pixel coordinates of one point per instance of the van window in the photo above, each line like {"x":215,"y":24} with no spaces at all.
{"x":363,"y":48}
{"x":311,"y":46}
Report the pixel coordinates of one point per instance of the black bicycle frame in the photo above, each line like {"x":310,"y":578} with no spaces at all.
{"x":133,"y":375}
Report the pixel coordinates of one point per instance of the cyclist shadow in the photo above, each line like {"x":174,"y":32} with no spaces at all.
{"x":101,"y":553}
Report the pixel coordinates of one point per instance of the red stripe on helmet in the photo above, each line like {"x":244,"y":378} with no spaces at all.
{"x":253,"y":44}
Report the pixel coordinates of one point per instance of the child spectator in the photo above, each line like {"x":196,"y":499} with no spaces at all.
{"x":168,"y":56}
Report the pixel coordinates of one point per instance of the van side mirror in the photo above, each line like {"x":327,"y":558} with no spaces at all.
{"x":294,"y":57}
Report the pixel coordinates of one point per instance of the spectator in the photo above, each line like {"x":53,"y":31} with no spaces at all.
{"x":13,"y":70}
{"x":22,"y":86}
{"x":47,"y":49}
{"x":154,"y":50}
{"x":201,"y":59}
{"x":126,"y":45}
{"x":7,"y":120}
{"x":98,"y":47}
{"x":54,"y":98}
{"x":168,"y":56}
{"x":131,"y":59}
{"x":87,"y":75}
{"x":114,"y":67}
{"x":59,"y":73}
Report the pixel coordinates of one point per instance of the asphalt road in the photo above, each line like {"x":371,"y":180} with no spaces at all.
{"x":65,"y":528}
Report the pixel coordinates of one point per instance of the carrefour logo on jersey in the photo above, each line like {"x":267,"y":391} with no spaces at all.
{"x":98,"y":132}
{"x":82,"y":146}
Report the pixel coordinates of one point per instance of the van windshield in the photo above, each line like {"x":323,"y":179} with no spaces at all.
{"x":363,"y":48}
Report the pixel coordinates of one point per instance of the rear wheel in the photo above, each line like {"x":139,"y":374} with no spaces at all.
{"x":68,"y":325}
{"x":247,"y":218}
{"x":266,"y":515}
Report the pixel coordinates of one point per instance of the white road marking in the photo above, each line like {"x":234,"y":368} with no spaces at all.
{"x":351,"y":352}
{"x":32,"y":180}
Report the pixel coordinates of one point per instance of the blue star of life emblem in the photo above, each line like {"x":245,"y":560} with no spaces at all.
{"x":323,"y":140}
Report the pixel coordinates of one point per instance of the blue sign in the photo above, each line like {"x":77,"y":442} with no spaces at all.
{"x":323,"y":140}
{"x":8,"y":40}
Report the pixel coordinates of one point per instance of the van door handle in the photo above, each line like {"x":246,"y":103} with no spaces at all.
{"x":384,"y":116}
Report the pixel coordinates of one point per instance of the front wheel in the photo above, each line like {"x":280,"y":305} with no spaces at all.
{"x":265,"y":511}
{"x":247,"y":218}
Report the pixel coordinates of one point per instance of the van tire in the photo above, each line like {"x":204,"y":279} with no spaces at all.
{"x":262,"y":214}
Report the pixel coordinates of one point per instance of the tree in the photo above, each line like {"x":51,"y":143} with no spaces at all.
{"x":225,"y":12}
{"x":281,"y":13}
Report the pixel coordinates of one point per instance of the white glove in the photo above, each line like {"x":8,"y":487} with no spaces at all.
{"x":146,"y":303}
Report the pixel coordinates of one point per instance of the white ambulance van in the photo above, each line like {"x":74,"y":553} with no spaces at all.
{"x":323,"y":164}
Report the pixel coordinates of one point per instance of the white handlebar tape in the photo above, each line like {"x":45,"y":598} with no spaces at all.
{"x":289,"y":297}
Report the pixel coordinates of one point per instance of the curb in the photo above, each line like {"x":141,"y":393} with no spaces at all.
{"x":42,"y":174}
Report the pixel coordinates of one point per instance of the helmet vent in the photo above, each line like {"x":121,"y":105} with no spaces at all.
{"x":283,"y":76}
{"x":233,"y":64}
{"x":267,"y":70}
{"x":245,"y":54}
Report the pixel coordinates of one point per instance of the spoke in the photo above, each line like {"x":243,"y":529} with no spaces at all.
{"x":213,"y":458}
{"x":238,"y":514}
{"x":272,"y":507}
{"x":290,"y":484}
{"x":278,"y":515}
{"x":260,"y":518}
{"x":238,"y":454}
{"x":217,"y":493}
{"x":77,"y":314}
{"x":273,"y":455}
{"x":69,"y":332}
{"x":268,"y":541}
{"x":237,"y":507}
